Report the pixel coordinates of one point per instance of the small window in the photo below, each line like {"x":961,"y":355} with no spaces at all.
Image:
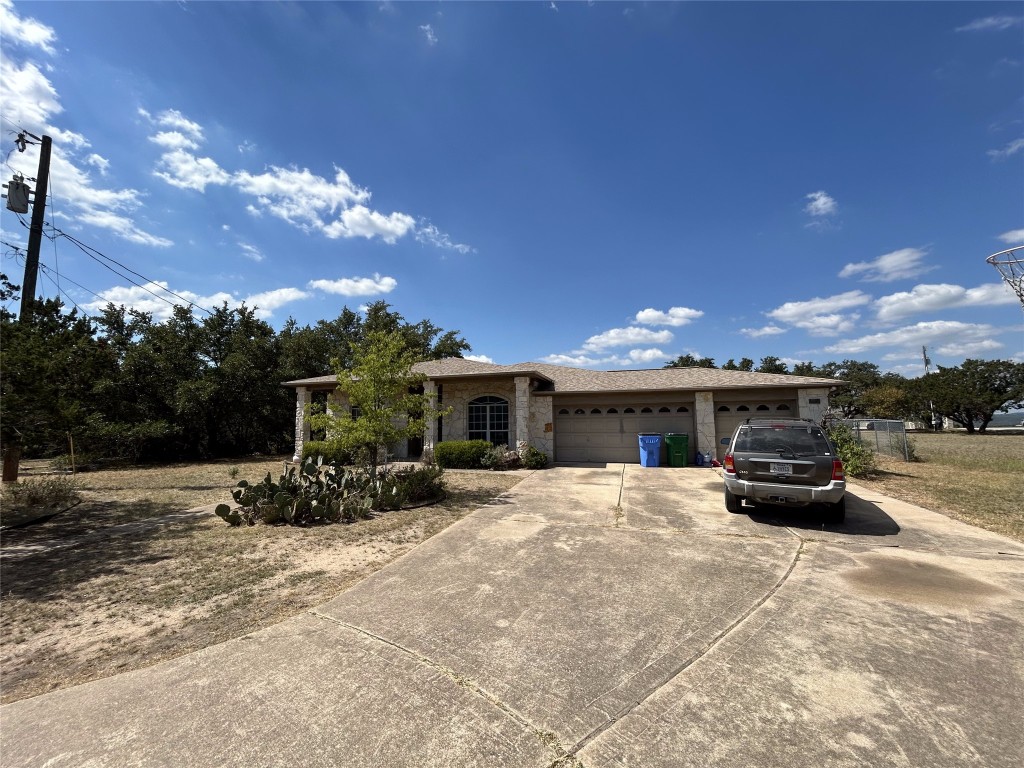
{"x":612,"y":410}
{"x":595,"y":410}
{"x":782,"y":407}
{"x":723,"y":409}
{"x":628,"y":410}
{"x":579,"y":412}
{"x":743,"y":408}
{"x":682,"y":409}
{"x":563,"y":412}
{"x":645,"y":409}
{"x":762,"y":407}
{"x":664,"y":409}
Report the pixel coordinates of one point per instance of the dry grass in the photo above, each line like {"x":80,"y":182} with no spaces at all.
{"x":83,"y":598}
{"x":975,"y":478}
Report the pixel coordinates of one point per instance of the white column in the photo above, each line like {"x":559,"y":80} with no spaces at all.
{"x":301,"y":425}
{"x":704,"y":421}
{"x":522,"y":413}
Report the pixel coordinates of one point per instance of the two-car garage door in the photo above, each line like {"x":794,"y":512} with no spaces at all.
{"x":588,"y":432}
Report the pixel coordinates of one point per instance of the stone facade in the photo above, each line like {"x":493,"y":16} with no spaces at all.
{"x":542,"y":425}
{"x":457,"y":394}
{"x":301,"y":425}
{"x":813,"y":403}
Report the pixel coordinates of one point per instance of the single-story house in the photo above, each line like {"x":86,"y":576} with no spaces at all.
{"x":581,"y":415}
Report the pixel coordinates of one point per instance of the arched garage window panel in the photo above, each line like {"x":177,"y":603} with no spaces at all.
{"x":682,"y":409}
{"x":563,"y":412}
{"x":579,"y":412}
{"x":762,"y":407}
{"x":645,"y":409}
{"x":612,"y":410}
{"x":782,"y":407}
{"x":488,"y":420}
{"x":664,"y":409}
{"x":723,"y":409}
{"x":629,"y":410}
{"x":595,"y":410}
{"x":743,"y":408}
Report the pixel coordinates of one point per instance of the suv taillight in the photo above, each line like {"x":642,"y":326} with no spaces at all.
{"x":837,"y":470}
{"x":730,"y":465}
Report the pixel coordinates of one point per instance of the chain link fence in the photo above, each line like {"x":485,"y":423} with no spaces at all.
{"x":884,"y":436}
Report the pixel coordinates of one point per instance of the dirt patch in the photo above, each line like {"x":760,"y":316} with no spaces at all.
{"x":77,"y":605}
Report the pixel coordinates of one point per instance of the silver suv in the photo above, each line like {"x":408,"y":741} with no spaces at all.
{"x":787,"y":462}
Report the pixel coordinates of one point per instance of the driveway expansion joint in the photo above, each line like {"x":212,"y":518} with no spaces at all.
{"x":547,"y":738}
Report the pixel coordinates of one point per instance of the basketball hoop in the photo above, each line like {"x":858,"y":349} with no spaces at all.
{"x":1010,"y":264}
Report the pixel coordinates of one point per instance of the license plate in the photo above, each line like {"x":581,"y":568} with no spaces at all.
{"x":780,"y":469}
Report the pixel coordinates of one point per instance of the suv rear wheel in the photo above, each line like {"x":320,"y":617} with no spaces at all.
{"x":836,"y":513}
{"x":733,"y":503}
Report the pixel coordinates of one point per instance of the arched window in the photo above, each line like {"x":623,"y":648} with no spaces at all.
{"x":723,"y":409}
{"x":664,"y":409}
{"x":612,"y":410}
{"x":628,"y":410}
{"x":682,"y":409}
{"x":579,"y":412}
{"x":563,"y":412}
{"x":595,"y":410}
{"x":645,"y":409}
{"x":743,"y":408}
{"x":762,"y":407}
{"x":488,"y":420}
{"x":782,"y":407}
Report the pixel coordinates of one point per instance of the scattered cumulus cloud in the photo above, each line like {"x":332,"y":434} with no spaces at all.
{"x":479,"y":358}
{"x":992,"y":24}
{"x":428,"y":234}
{"x":153,"y":297}
{"x":822,"y":208}
{"x":186,"y":171}
{"x":622,"y":337}
{"x":758,"y":333}
{"x":675,"y":316}
{"x":173,"y":140}
{"x":553,"y":7}
{"x":822,"y":316}
{"x":25,"y":32}
{"x":1008,"y":151}
{"x":98,"y":162}
{"x":935,"y":332}
{"x":973,"y":349}
{"x":651,"y":355}
{"x":268,"y":301}
{"x":929,"y":298}
{"x":1013,"y":237}
{"x":428,"y":33}
{"x":356,"y":286}
{"x":251,"y":252}
{"x":897,"y":265}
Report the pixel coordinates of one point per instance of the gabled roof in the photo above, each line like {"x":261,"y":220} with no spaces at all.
{"x":563,"y":379}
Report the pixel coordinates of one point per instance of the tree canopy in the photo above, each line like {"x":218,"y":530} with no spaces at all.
{"x":971,"y":393}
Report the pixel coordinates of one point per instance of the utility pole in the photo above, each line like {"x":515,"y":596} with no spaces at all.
{"x":35,"y":233}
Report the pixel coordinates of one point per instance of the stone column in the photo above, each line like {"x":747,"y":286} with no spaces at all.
{"x":813,"y":403}
{"x":704,"y":421}
{"x":301,"y":425}
{"x":430,"y":428}
{"x":522,"y":413}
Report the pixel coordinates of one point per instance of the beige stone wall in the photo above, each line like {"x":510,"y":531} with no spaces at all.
{"x":542,"y":425}
{"x":457,"y":394}
{"x":704,"y":422}
{"x":809,"y":410}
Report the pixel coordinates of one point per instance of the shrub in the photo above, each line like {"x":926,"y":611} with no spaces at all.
{"x":461,"y":454}
{"x":499,"y":457}
{"x":329,"y":450}
{"x":858,"y":460}
{"x":534,"y":459}
{"x":45,"y":492}
{"x":413,"y":485}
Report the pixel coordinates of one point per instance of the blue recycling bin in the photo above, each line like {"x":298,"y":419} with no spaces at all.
{"x":650,"y":449}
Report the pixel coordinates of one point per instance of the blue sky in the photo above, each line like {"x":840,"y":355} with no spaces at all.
{"x":606,"y":185}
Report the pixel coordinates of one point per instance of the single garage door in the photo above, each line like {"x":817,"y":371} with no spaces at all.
{"x":728,"y":416}
{"x":608,"y":433}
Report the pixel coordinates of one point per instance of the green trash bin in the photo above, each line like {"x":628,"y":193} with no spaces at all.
{"x":677,"y":448}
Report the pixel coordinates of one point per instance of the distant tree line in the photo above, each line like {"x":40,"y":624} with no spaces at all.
{"x":125,"y":385}
{"x":969,"y":394}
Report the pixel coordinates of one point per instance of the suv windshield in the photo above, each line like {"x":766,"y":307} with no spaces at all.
{"x":783,"y":439}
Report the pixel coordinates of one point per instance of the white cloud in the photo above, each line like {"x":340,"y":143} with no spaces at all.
{"x":946,"y":332}
{"x":992,"y":24}
{"x":142,"y":299}
{"x":356,"y":286}
{"x":973,"y":349}
{"x":1008,"y":151}
{"x":479,"y":358}
{"x":268,"y":301}
{"x":651,"y":355}
{"x":360,"y":221}
{"x":822,"y":316}
{"x":927,"y":298}
{"x":25,"y":31}
{"x":174,"y":140}
{"x":821,"y":204}
{"x":757,"y":333}
{"x":173,"y":119}
{"x":252,"y":252}
{"x":428,"y":32}
{"x":1013,"y":236}
{"x":186,"y":171}
{"x":897,"y":265}
{"x":553,"y":7}
{"x":574,"y":361}
{"x":621,"y":337}
{"x":98,"y":162}
{"x":430,"y":235}
{"x":675,"y":316}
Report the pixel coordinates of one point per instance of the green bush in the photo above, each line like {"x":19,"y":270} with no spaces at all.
{"x":858,"y":460}
{"x":409,"y":486}
{"x":534,"y":459}
{"x":41,"y":493}
{"x":461,"y":454}
{"x":329,"y":450}
{"x":499,"y":457}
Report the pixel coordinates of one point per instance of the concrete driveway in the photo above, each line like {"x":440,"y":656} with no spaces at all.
{"x":607,"y":616}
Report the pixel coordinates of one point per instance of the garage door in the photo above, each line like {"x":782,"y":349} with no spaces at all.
{"x":608,"y":433}
{"x":728,"y":416}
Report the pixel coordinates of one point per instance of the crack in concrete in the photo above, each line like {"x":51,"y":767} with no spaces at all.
{"x":547,"y":738}
{"x":696,"y":656}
